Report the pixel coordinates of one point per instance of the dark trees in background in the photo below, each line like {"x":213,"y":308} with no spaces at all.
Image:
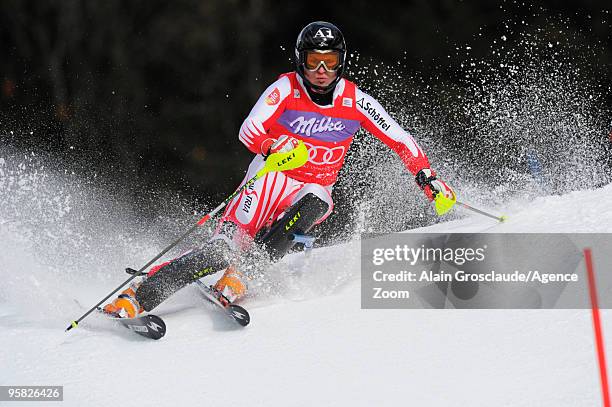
{"x":157,"y":90}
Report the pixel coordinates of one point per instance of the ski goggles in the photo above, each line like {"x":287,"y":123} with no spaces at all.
{"x":330,"y":60}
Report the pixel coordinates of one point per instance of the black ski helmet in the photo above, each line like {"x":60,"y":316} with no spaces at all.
{"x":323,"y":36}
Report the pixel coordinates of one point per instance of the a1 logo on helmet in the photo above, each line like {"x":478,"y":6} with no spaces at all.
{"x":324,"y":34}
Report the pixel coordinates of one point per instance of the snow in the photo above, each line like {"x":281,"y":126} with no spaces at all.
{"x":311,"y":344}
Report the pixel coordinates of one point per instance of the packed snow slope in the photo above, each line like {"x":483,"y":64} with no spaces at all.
{"x":309,"y":343}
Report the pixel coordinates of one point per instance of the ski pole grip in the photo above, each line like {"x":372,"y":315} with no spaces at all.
{"x":285,"y":161}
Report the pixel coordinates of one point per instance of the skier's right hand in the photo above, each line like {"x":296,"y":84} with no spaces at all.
{"x":284,"y":144}
{"x":432,"y":185}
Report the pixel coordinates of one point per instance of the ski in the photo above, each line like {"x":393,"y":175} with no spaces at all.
{"x":235,"y":312}
{"x":150,"y":326}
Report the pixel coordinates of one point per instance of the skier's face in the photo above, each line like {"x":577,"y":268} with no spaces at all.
{"x":320,"y":77}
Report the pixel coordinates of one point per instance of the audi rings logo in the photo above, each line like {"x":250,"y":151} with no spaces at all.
{"x":321,"y":155}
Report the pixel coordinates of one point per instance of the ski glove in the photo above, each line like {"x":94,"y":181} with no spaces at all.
{"x":284,"y":144}
{"x":432,"y":186}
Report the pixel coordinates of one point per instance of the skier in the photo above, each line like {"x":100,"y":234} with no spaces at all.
{"x":314,"y":105}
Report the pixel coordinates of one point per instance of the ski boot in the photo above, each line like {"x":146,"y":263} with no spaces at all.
{"x":231,"y":287}
{"x":125,"y":305}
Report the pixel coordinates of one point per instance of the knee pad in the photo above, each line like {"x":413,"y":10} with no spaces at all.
{"x":320,"y":192}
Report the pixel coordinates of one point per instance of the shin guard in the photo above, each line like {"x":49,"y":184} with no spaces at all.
{"x":299,"y":219}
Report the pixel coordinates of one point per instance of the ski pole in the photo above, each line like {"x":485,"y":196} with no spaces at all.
{"x":444,"y":204}
{"x":274,"y":162}
{"x":502,"y":218}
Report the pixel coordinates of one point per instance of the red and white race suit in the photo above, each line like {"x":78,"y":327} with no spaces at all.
{"x":286,"y":108}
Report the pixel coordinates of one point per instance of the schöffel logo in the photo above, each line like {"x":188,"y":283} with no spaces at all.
{"x":311,"y":126}
{"x":273,"y":97}
{"x":378,"y":118}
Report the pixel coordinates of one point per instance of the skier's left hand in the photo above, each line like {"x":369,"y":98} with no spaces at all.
{"x":432,"y":186}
